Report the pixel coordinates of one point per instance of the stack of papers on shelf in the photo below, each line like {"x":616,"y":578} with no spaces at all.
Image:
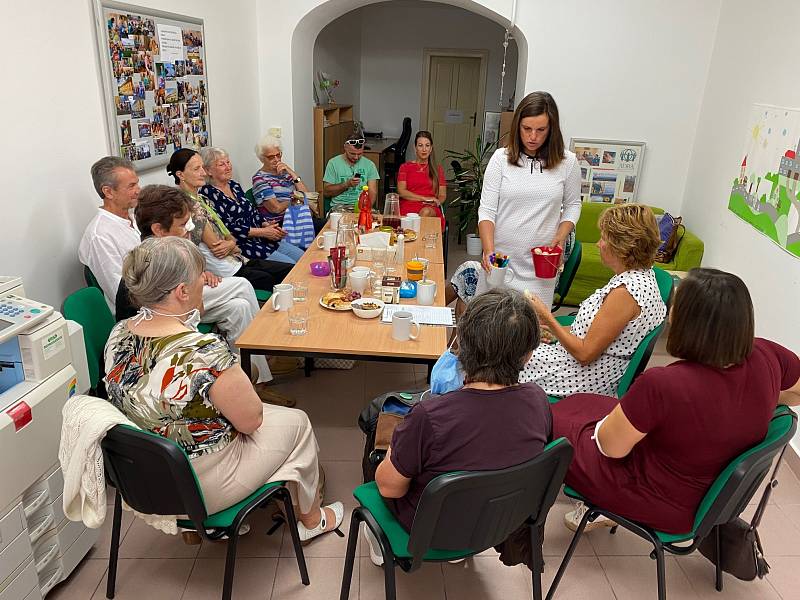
{"x":424,"y":315}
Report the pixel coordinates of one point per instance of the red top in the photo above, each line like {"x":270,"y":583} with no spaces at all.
{"x":697,"y":419}
{"x":417,"y":180}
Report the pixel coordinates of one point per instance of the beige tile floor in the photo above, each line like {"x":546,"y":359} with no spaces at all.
{"x":156,"y":566}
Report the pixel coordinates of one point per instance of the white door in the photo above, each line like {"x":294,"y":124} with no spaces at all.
{"x":454,"y":114}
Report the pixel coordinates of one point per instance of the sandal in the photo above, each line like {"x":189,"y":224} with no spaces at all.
{"x":307,"y":534}
{"x":269,"y":397}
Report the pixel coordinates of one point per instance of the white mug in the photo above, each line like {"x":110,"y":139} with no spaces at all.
{"x":407,"y":222}
{"x":499,"y":277}
{"x":327,"y":240}
{"x":416,"y":222}
{"x":360,"y":279}
{"x":402,"y":322}
{"x":282,"y":296}
{"x":335,"y":218}
{"x":426,"y":292}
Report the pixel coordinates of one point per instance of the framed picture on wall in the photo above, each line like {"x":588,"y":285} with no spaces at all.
{"x":610,"y":169}
{"x":155,"y":82}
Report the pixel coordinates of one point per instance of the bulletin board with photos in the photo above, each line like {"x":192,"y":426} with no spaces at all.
{"x":610,"y":169}
{"x":154,"y":76}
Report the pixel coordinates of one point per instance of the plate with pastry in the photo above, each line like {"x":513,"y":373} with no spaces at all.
{"x":340,"y":300}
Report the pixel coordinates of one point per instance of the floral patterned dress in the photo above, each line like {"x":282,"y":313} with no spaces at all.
{"x":162,"y":384}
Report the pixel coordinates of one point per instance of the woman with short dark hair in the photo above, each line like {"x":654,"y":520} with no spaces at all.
{"x":492,"y":422}
{"x":652,"y":455}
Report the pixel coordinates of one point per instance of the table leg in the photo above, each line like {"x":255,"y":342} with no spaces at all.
{"x":430,"y":370}
{"x":308,"y":366}
{"x":244,"y":358}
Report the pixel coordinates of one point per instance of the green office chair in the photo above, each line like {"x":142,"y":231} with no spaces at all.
{"x":88,"y":307}
{"x":461,"y":514}
{"x":725,"y":500}
{"x":155,"y":477}
{"x":568,"y":275}
{"x":91,"y":280}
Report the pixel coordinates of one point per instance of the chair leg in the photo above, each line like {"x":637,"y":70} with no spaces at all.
{"x":538,"y":562}
{"x":350,"y":555}
{"x":568,"y":556}
{"x":113,"y":554}
{"x":284,"y":495}
{"x":388,"y":577}
{"x":660,"y":572}
{"x":230,"y":559}
{"x":718,"y":559}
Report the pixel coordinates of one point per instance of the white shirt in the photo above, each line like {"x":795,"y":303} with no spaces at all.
{"x":106,"y":241}
{"x":526,"y":206}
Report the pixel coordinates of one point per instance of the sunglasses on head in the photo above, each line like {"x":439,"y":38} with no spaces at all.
{"x":357,"y":143}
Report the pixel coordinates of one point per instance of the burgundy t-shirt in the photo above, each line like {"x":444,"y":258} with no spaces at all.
{"x":467,"y":430}
{"x":697,"y":419}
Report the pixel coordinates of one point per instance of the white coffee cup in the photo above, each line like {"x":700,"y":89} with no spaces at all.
{"x":282,"y":296}
{"x":416,"y":222}
{"x":334,"y":219}
{"x":426,"y":292}
{"x":360,"y":279}
{"x":499,"y":277}
{"x":406,"y":222}
{"x":402,"y":322}
{"x":327,"y":240}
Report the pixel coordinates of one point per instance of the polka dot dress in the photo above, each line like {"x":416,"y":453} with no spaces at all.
{"x":560,"y":374}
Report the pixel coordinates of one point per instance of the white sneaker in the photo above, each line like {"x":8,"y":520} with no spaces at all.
{"x":307,"y":534}
{"x":573,"y":519}
{"x":374,"y":548}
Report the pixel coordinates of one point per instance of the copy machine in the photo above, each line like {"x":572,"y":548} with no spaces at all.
{"x":42,"y":364}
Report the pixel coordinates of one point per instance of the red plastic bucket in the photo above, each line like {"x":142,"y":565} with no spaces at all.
{"x":547,"y":263}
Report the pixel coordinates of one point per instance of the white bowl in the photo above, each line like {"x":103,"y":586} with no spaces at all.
{"x":367,"y":313}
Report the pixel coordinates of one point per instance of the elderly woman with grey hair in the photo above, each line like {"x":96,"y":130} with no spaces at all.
{"x":255,"y":236}
{"x":187,"y":386}
{"x":492,"y":422}
{"x":275,"y":182}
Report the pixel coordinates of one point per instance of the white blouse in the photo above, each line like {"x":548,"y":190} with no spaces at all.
{"x":527,"y":205}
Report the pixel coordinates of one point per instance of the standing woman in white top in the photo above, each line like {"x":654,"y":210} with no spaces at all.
{"x":531,"y":193}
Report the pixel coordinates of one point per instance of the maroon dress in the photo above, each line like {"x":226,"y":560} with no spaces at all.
{"x":697,"y":419}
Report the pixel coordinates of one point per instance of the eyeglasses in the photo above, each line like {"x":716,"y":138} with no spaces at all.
{"x":357,"y":143}
{"x":273,"y":156}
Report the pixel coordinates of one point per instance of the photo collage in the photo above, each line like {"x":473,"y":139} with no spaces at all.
{"x":609,"y":169}
{"x":160,"y":86}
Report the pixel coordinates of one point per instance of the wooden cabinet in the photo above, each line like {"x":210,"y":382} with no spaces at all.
{"x":332,"y":124}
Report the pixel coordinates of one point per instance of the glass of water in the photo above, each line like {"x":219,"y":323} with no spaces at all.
{"x":298,"y":320}
{"x":299,"y":291}
{"x":430,"y":240}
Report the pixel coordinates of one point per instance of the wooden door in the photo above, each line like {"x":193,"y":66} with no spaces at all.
{"x":454,"y":114}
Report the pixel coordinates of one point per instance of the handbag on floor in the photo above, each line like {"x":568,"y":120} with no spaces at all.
{"x":378,"y":422}
{"x":740,"y":544}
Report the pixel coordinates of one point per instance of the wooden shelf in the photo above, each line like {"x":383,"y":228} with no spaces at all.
{"x":332,"y":124}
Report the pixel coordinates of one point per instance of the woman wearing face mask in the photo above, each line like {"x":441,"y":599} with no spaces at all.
{"x":493,"y":422}
{"x":421,"y":183}
{"x":235,"y":443}
{"x":212,"y":235}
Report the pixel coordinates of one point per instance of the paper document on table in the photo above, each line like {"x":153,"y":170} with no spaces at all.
{"x":424,"y":315}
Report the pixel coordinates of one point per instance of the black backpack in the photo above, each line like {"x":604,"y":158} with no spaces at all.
{"x":396,"y":405}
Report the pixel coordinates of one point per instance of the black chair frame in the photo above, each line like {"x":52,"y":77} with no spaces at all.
{"x":169,"y":487}
{"x":729,"y":503}
{"x":435,"y":527}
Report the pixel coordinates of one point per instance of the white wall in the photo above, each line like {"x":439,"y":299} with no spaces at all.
{"x":337,"y":51}
{"x":54,"y":127}
{"x":746,"y":67}
{"x":394,"y":37}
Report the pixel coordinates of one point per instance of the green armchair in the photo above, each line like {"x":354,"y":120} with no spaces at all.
{"x":593,"y":274}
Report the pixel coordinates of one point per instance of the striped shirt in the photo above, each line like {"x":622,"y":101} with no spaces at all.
{"x":269,"y":186}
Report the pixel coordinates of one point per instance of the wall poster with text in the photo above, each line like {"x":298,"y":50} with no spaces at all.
{"x":610,"y":169}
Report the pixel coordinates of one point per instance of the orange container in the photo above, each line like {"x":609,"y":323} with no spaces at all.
{"x":414,"y":270}
{"x":546,"y":261}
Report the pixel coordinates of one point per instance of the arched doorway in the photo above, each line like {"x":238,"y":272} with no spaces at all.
{"x":303,"y":39}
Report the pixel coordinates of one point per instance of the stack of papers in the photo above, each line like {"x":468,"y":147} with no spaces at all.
{"x":424,"y":315}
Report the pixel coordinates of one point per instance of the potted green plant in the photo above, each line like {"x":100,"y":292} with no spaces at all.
{"x":469,"y":183}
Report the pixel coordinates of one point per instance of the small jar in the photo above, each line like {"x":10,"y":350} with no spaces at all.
{"x":414,"y":270}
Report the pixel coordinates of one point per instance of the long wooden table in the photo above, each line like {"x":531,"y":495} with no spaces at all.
{"x":333,"y":334}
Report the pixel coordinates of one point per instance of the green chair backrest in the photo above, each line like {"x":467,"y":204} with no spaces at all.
{"x":739,"y":481}
{"x":568,"y":274}
{"x":88,"y":307}
{"x":249,"y":195}
{"x":639,"y":360}
{"x":666,"y":285}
